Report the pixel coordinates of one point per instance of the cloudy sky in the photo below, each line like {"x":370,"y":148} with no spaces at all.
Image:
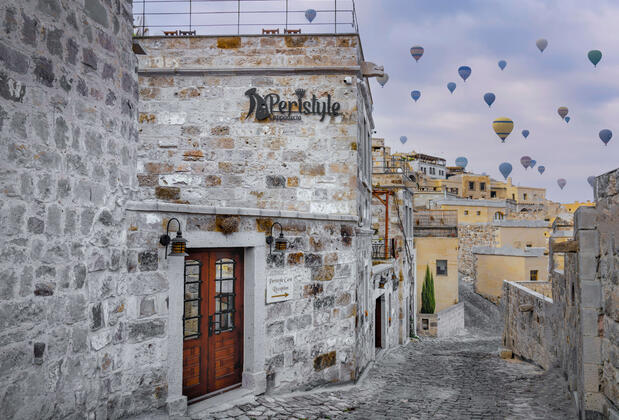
{"x":479,"y":33}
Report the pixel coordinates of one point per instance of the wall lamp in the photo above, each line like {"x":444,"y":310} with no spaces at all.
{"x":178,"y":244}
{"x":280,"y":243}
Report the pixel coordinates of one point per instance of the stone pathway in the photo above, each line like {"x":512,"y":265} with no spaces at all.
{"x":459,"y":378}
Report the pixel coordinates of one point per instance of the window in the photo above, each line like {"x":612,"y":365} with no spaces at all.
{"x":482,"y":186}
{"x":498,"y":216}
{"x":529,"y":245}
{"x":440,"y":172}
{"x":513,"y":196}
{"x":432,"y":171}
{"x":533,"y":275}
{"x":441,"y":267}
{"x":225,"y":277}
{"x":524,"y":196}
{"x":466,"y":212}
{"x":478,"y":213}
{"x":365,"y":153}
{"x":423,"y":170}
{"x":471,"y":186}
{"x":492,"y":194}
{"x":191,"y":316}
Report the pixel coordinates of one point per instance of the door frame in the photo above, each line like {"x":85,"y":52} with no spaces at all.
{"x":254,"y":289}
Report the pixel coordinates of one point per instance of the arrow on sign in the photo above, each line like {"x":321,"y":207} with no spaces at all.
{"x":282,"y":295}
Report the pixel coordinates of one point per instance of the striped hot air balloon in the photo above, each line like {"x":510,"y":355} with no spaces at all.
{"x":502,"y":127}
{"x":417,"y":52}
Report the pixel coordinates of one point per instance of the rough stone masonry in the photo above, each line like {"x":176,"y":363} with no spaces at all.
{"x":68,"y":136}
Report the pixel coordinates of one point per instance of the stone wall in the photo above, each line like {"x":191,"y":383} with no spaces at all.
{"x":195,"y":135}
{"x":310,"y":338}
{"x":68,"y":140}
{"x":470,"y":236}
{"x":446,"y":323}
{"x":530,"y":330}
{"x":607,"y":273}
{"x":544,"y":288}
{"x":583,"y":314}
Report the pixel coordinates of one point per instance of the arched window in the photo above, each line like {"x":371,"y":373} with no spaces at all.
{"x":498,"y":216}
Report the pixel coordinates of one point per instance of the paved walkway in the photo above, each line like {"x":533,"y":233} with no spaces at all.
{"x":429,"y":379}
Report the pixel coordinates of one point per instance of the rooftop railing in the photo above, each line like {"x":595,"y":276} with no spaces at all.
{"x":242,"y":17}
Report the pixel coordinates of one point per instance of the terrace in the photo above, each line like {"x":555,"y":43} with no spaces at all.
{"x":242,"y":17}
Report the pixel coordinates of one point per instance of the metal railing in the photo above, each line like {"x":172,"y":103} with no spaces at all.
{"x":439,"y":219}
{"x":380,"y":253}
{"x":242,"y":17}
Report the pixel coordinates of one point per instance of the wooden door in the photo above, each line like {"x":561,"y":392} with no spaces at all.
{"x":213,"y":321}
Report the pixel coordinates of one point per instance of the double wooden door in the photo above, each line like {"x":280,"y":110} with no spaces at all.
{"x":212,"y":321}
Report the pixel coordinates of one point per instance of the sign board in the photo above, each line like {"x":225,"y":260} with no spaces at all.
{"x":279,"y":289}
{"x":274,"y":107}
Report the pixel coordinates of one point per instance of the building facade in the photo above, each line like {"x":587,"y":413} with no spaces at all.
{"x":242,"y":138}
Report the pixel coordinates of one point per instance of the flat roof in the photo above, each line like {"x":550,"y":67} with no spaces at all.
{"x":509,"y":251}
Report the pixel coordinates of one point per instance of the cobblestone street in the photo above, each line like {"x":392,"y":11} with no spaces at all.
{"x":459,"y":378}
{"x":449,"y":379}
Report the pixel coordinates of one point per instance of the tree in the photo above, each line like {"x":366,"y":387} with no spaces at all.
{"x":428,"y":302}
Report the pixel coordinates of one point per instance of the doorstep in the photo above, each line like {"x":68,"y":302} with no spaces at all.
{"x":220,"y":402}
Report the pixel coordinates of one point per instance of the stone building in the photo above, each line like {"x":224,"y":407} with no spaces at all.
{"x":240,"y":135}
{"x":392,"y":243}
{"x":577,"y":328}
{"x":236,"y":139}
{"x":68,"y":137}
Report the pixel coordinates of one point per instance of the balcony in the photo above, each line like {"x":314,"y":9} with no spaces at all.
{"x":242,"y":17}
{"x":380,"y":253}
{"x":435,"y":223}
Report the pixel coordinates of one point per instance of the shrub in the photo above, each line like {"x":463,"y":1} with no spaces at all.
{"x":428,"y":302}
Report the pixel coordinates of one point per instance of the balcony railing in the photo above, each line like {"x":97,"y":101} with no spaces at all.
{"x":380,"y":253}
{"x":242,"y":17}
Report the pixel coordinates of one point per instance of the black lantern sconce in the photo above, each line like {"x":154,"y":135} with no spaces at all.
{"x":178,"y":244}
{"x":281,"y":244}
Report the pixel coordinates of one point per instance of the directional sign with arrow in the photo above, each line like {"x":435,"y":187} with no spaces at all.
{"x":279,"y":289}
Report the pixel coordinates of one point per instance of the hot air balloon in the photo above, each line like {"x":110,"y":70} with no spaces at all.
{"x":525,"y":161}
{"x":561,"y":182}
{"x":541,"y":169}
{"x":567,"y":119}
{"x":415,"y":95}
{"x":591,"y":181}
{"x":606,"y":135}
{"x":502,"y":127}
{"x":417,"y":52}
{"x":595,"y":56}
{"x":489,"y":98}
{"x":382,"y":79}
{"x":541,"y":44}
{"x":310,"y":15}
{"x":462,"y":162}
{"x":532,"y":163}
{"x":525,"y":133}
{"x":451,"y":86}
{"x":464,"y":72}
{"x":403,"y":139}
{"x":502,"y":64}
{"x":505,"y":168}
{"x":562,"y":111}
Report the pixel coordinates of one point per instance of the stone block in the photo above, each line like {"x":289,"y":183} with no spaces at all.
{"x":591,"y":294}
{"x":148,"y":260}
{"x":144,"y":330}
{"x":168,"y":193}
{"x":324,"y":273}
{"x":589,"y":321}
{"x":505,"y":353}
{"x":588,"y":242}
{"x":147,"y":306}
{"x":585,"y":218}
{"x":587,"y":266}
{"x":325,"y":360}
{"x":591,"y":350}
{"x":591,"y":373}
